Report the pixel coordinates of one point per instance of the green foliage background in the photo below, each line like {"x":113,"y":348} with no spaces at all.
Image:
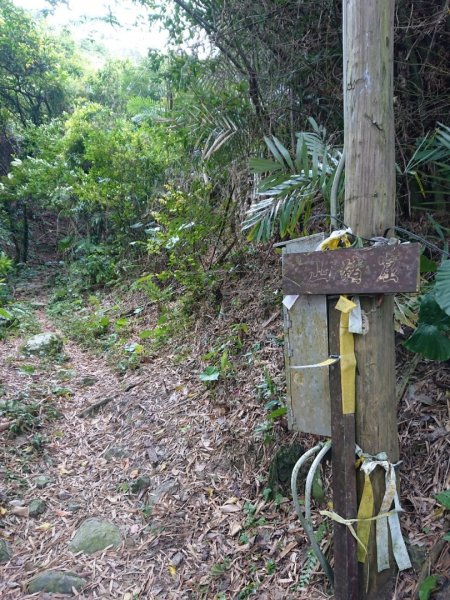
{"x":170,"y":165}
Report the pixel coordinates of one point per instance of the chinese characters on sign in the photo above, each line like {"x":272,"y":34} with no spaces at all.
{"x":377,"y":270}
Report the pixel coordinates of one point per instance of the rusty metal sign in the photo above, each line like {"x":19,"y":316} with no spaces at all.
{"x":377,"y":270}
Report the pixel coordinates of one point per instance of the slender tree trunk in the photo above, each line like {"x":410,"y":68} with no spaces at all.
{"x":25,"y":233}
{"x":369,"y":210}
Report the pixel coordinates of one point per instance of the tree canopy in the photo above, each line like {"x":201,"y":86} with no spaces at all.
{"x":256,"y":124}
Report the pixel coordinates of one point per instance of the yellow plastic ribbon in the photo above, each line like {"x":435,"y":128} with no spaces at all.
{"x":348,"y":359}
{"x":338,"y":239}
{"x":387,"y":521}
{"x":364,"y":519}
{"x":325,"y":363}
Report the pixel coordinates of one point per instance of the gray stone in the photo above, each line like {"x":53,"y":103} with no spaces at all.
{"x":95,"y":534}
{"x":65,"y":374}
{"x":88,"y":381}
{"x":166,"y":487}
{"x":116,"y":452}
{"x":37,"y":507}
{"x":43,"y":344}
{"x":140,"y":484}
{"x":42,"y":480}
{"x":56,"y":582}
{"x":74,"y":506}
{"x":417,"y":554}
{"x":17,"y":502}
{"x":5,"y":552}
{"x":64,"y":495}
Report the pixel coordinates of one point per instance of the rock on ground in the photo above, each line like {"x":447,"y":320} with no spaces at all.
{"x":37,"y":507}
{"x":42,"y":480}
{"x":116,"y":452}
{"x":56,"y":582}
{"x":95,"y":534}
{"x":43,"y":344}
{"x":5,"y":551}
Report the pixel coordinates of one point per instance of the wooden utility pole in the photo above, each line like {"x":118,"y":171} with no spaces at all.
{"x":369,"y":210}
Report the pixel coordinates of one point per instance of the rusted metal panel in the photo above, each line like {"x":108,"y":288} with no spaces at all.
{"x":306,"y":343}
{"x":378,"y":270}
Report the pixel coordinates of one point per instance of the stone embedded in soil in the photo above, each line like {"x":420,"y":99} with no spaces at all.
{"x":177,"y":559}
{"x":116,"y":452}
{"x":56,"y":582}
{"x":65,"y":374}
{"x":95,"y":534}
{"x":17,"y":502}
{"x":64,"y":495}
{"x":417,"y":554}
{"x":42,"y":480}
{"x":43,"y":344}
{"x":140,"y":484}
{"x":165,"y":488}
{"x":88,"y":381}
{"x":37,"y":507}
{"x":5,"y":551}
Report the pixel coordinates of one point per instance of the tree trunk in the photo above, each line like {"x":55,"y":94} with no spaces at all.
{"x":25,"y":233}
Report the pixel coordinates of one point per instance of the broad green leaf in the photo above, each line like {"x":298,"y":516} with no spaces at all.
{"x":430,"y":313}
{"x":210,"y":374}
{"x":134,"y":348}
{"x":315,"y":162}
{"x":277,"y":413}
{"x":121,"y":322}
{"x":427,"y":265}
{"x":145,"y":334}
{"x":429,"y":341}
{"x":447,"y":537}
{"x":427,"y":586}
{"x":444,"y":499}
{"x":274,"y":149}
{"x":5,"y":314}
{"x":442,"y":286}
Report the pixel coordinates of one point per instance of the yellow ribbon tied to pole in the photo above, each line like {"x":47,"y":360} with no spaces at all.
{"x":387,"y":521}
{"x":348,"y":359}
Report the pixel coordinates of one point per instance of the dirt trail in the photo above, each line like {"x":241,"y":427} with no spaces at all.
{"x":199,"y":526}
{"x":181,"y":533}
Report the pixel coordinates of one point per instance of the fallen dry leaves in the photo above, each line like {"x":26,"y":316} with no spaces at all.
{"x":188,"y":535}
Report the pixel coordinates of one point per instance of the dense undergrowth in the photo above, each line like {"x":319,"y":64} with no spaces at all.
{"x":139,"y":202}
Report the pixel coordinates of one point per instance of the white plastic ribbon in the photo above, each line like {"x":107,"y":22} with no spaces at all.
{"x":289,"y":301}
{"x":388,"y":519}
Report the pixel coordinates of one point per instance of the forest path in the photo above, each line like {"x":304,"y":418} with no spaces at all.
{"x":157,"y":460}
{"x":180,"y":467}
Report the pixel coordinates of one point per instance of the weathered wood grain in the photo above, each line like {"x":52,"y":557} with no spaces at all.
{"x":306,"y":342}
{"x":368,"y":36}
{"x":344,"y":476}
{"x":377,"y":270}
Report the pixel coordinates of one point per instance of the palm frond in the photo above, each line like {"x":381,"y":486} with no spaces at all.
{"x":292,"y":184}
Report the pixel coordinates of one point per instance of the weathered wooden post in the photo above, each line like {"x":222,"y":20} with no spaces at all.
{"x":309,"y":278}
{"x":369,"y":210}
